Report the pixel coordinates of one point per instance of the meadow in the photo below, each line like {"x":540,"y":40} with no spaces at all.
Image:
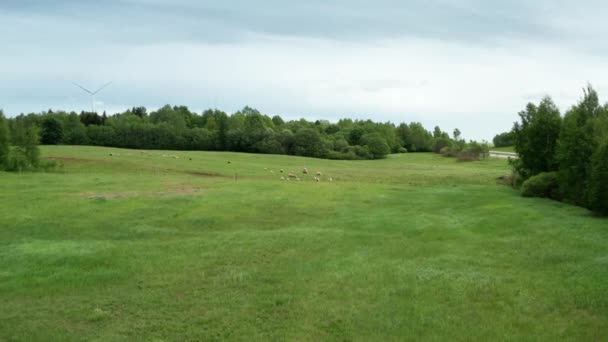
{"x":122,"y":245}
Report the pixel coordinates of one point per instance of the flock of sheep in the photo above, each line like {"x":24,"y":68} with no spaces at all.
{"x":292,"y":175}
{"x":289,"y":177}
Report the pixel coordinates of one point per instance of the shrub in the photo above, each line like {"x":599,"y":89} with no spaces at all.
{"x":25,"y":155}
{"x":402,"y":150}
{"x":544,"y":185}
{"x":448,"y":152}
{"x":440,"y":143}
{"x":377,"y":146}
{"x":474,"y":151}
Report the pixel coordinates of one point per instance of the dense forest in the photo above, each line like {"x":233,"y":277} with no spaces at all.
{"x":564,"y":157}
{"x":248,"y":130}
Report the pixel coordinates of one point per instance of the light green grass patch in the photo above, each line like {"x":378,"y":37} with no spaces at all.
{"x":137,"y":246}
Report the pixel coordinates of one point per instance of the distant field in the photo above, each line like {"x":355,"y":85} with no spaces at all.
{"x":141,"y":246}
{"x":503,"y":149}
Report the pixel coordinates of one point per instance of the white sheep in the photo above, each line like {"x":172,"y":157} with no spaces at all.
{"x":318,"y":174}
{"x":305,"y":171}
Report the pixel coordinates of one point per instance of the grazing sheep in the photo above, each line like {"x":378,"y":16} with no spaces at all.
{"x":291,"y":175}
{"x":317,"y":179}
{"x":282,"y":178}
{"x":271,"y":171}
{"x":331,"y":179}
{"x":281,"y":171}
{"x":305,"y":171}
{"x":318,"y":174}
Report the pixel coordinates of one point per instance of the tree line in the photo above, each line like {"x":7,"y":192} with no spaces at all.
{"x":248,"y":130}
{"x":564,"y":157}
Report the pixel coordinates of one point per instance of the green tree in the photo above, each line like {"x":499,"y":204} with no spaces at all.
{"x":25,"y":155}
{"x":419,"y":139}
{"x":4,"y":142}
{"x":74,"y":130}
{"x":504,"y":139}
{"x":52,"y":131}
{"x":598,"y":188}
{"x":457,"y":134}
{"x":536,"y":138}
{"x":307,"y":142}
{"x":437,"y":132}
{"x":376,"y":145}
{"x":576,"y":147}
{"x":277,"y":121}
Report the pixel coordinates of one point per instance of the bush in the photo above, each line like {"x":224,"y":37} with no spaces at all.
{"x":544,"y":185}
{"x":441,"y":143}
{"x":474,"y":151}
{"x":448,"y":152}
{"x":376,"y":145}
{"x":402,"y":150}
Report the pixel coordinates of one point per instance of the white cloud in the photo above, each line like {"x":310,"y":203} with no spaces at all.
{"x":449,"y":82}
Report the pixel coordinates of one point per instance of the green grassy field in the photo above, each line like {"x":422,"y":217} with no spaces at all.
{"x":137,"y":246}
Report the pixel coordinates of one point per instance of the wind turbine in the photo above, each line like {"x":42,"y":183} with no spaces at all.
{"x":93,"y":93}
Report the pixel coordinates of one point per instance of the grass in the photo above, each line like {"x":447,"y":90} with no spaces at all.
{"x":137,"y":246}
{"x":503,"y":149}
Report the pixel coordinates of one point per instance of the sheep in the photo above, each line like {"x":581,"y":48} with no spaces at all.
{"x":331,"y":179}
{"x":305,"y":171}
{"x":272,"y":172}
{"x":282,"y":178}
{"x":317,"y":179}
{"x":291,"y":175}
{"x":318,"y":173}
{"x":281,"y":171}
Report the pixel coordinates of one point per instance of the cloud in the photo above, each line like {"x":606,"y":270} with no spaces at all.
{"x":467,"y":64}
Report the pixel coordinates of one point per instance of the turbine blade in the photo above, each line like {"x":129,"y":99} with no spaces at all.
{"x":102,"y":87}
{"x":83,"y":88}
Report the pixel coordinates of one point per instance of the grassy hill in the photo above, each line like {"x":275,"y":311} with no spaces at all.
{"x":157,"y":245}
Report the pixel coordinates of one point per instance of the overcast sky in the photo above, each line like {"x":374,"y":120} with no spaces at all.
{"x":471,"y":64}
